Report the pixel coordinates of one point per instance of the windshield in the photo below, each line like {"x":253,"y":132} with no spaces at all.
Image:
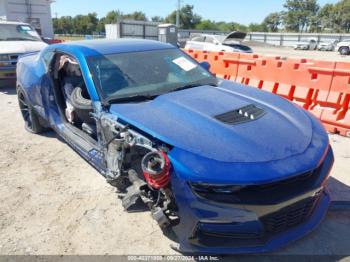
{"x":18,"y":33}
{"x":149,"y":73}
{"x":221,"y":38}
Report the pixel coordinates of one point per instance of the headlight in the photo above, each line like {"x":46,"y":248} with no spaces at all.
{"x":5,"y":60}
{"x":222,"y":189}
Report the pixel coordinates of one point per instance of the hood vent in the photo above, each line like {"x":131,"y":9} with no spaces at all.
{"x":241,"y":115}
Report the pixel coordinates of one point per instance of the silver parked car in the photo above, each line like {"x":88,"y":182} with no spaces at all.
{"x":217,"y":43}
{"x":311,"y":44}
{"x":327,"y":46}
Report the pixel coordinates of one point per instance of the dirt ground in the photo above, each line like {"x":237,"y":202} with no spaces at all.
{"x":53,"y":202}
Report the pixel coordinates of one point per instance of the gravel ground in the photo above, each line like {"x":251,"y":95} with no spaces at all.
{"x":290,"y":52}
{"x":52,"y":202}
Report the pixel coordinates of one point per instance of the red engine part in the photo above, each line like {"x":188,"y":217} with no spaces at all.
{"x":156,"y":169}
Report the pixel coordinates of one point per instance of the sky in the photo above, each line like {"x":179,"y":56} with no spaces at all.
{"x":244,"y":12}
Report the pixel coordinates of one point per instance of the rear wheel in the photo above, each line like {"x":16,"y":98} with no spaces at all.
{"x":344,"y":50}
{"x":31,"y":120}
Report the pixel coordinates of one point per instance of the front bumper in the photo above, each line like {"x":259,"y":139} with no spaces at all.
{"x":326,"y":48}
{"x":7,"y":73}
{"x":7,"y":76}
{"x":211,"y":227}
{"x":302,"y":47}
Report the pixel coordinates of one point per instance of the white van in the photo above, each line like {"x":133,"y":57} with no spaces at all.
{"x":16,"y":38}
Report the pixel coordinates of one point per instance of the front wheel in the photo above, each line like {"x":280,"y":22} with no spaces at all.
{"x":344,"y":50}
{"x":31,"y":120}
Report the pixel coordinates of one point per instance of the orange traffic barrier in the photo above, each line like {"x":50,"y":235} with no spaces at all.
{"x":336,"y":114}
{"x":322,"y":87}
{"x":221,"y":64}
{"x":229,"y":66}
{"x":198,"y":54}
{"x":303,"y":82}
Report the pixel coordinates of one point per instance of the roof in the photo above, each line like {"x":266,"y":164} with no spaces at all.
{"x":105,"y":47}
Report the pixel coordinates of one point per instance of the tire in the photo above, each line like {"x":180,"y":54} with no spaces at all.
{"x":82,"y":106}
{"x":31,"y":120}
{"x":79,"y":101}
{"x":344,"y":50}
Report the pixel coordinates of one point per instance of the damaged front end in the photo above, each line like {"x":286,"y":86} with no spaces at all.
{"x":212,"y":206}
{"x":140,"y":169}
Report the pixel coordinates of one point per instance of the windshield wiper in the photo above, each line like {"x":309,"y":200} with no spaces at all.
{"x":191,"y":86}
{"x":133,"y":98}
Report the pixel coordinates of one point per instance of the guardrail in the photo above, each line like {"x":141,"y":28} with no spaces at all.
{"x":290,"y":39}
{"x":321,"y":87}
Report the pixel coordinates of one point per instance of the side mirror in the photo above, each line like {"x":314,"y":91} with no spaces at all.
{"x":205,"y":65}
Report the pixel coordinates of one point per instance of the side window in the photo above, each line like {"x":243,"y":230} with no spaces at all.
{"x":210,"y":40}
{"x":198,"y":39}
{"x":47,"y":58}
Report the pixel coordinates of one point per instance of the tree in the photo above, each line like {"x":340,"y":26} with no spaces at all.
{"x":299,"y":14}
{"x":137,"y":16}
{"x":207,"y":25}
{"x":342,"y":16}
{"x":63,"y":25}
{"x":254,"y":27}
{"x":272,"y":22}
{"x":326,"y":17}
{"x":188,"y":19}
{"x":101,"y":25}
{"x":157,"y":19}
{"x":85,"y":24}
{"x":113,"y":17}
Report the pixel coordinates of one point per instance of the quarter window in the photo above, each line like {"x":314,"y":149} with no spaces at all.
{"x":210,"y":40}
{"x":198,"y":39}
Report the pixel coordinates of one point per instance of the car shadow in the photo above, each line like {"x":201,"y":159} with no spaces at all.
{"x":51,"y":134}
{"x":8,"y":90}
{"x":340,"y":194}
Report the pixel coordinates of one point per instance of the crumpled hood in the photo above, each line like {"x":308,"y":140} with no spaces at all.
{"x":20,"y":47}
{"x":185,"y":119}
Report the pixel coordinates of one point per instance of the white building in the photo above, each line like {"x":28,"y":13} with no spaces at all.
{"x":35,"y":12}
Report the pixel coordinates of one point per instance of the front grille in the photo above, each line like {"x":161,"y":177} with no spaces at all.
{"x":271,"y":193}
{"x":273,"y":224}
{"x":294,"y":181}
{"x":14,"y":59}
{"x":289,"y":216}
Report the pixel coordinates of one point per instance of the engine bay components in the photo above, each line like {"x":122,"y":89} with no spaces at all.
{"x":133,"y":192}
{"x":140,"y":169}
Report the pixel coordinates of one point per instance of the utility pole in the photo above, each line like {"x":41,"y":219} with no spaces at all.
{"x":178,"y":13}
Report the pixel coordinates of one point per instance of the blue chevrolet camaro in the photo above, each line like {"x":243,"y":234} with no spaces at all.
{"x":227,"y":168}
